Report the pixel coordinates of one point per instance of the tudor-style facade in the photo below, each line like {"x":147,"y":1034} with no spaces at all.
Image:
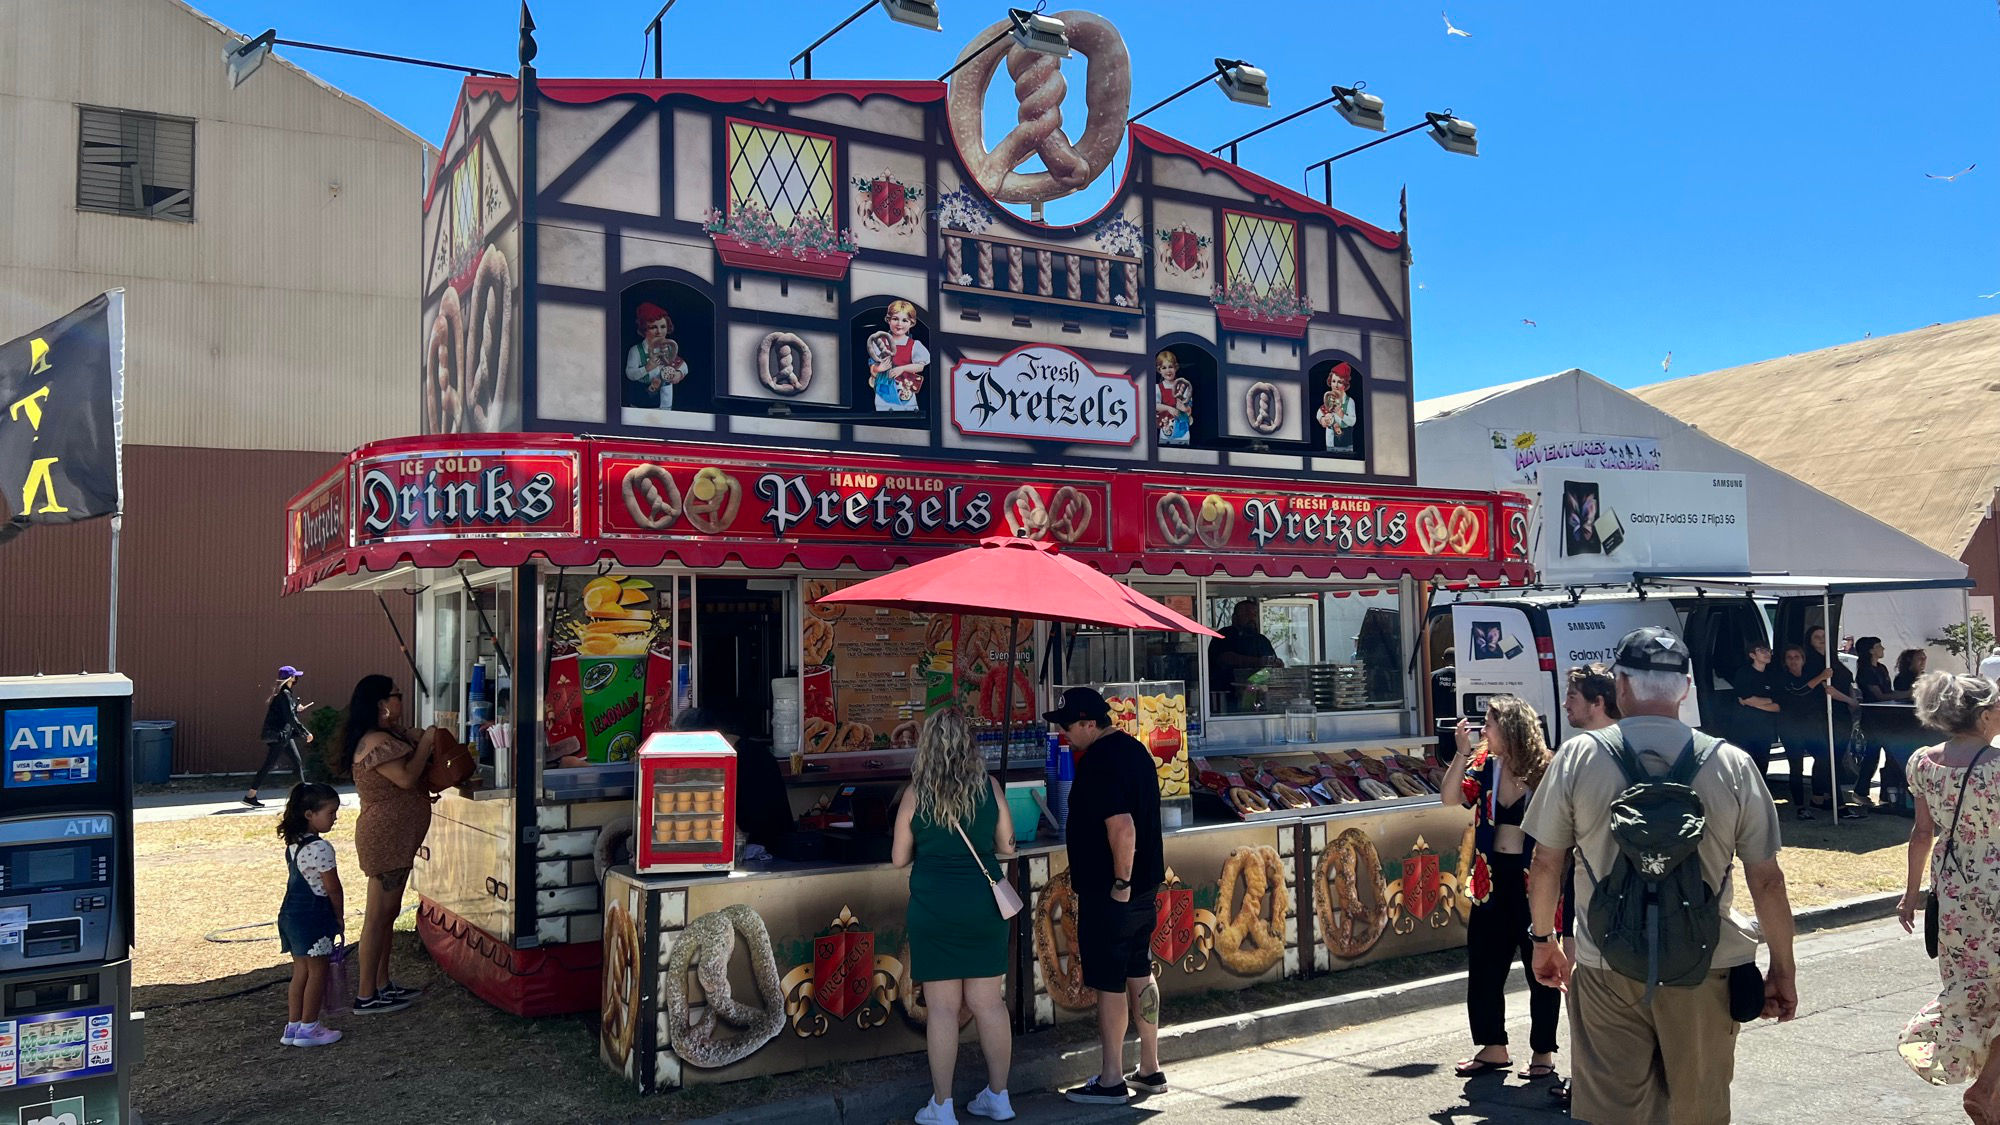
{"x":764,"y":230}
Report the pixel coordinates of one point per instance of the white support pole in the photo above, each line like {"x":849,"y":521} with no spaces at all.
{"x":111,"y":643}
{"x":1972,"y":659}
{"x":1832,"y":748}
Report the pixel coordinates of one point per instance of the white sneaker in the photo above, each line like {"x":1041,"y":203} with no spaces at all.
{"x":313,"y":1035}
{"x":291,"y":1033}
{"x":937,"y":1113}
{"x":986,"y":1103}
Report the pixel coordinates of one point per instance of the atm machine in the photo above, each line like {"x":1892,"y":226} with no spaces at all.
{"x":69,"y":1040}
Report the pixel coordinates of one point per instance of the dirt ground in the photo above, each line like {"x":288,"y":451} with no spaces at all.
{"x":214,"y":1008}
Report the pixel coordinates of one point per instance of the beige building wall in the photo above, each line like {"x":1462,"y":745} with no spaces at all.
{"x":285,"y":316}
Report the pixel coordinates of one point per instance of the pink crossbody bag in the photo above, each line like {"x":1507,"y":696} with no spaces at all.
{"x":1004,"y":896}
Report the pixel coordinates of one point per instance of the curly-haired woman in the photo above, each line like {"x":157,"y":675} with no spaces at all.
{"x":1958,"y":782}
{"x":1496,"y":777}
{"x":952,"y":824}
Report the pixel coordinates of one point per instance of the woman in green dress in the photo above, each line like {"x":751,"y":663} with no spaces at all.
{"x":958,"y":941}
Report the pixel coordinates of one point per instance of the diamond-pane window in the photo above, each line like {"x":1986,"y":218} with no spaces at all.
{"x":1261,"y":253}
{"x":783,"y":172}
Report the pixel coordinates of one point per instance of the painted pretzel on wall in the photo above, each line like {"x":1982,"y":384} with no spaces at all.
{"x":1039,"y":87}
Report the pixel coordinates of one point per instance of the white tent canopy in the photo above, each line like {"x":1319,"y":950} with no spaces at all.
{"x":1794,"y":528}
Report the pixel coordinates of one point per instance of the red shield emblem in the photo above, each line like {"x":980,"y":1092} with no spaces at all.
{"x":887,"y":201}
{"x":1173,"y":924}
{"x":1183,"y":249}
{"x":1420,"y":885}
{"x":843,"y":971}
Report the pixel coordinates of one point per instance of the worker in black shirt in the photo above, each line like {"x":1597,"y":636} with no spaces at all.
{"x":1755,"y":721}
{"x":1116,"y":864}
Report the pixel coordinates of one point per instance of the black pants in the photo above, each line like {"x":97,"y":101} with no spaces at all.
{"x":1496,"y":935}
{"x":275,"y":753}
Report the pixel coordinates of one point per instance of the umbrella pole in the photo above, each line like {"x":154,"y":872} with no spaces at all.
{"x":1007,"y":701}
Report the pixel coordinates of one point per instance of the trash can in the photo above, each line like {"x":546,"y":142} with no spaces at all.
{"x":152,"y":751}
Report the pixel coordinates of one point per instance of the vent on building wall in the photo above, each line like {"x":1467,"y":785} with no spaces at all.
{"x":133,"y":163}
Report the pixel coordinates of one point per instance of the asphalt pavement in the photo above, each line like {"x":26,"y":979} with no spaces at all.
{"x":1836,"y":1062}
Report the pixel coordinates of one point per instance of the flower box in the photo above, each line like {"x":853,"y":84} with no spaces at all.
{"x":822,"y":265}
{"x":1244,"y":320}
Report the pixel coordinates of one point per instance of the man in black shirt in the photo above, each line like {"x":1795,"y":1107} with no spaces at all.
{"x":1240,"y":653}
{"x":1116,"y":863}
{"x":1756,"y":718}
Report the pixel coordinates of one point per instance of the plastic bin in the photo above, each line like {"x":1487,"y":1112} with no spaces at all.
{"x":152,"y":751}
{"x":1027,"y":815}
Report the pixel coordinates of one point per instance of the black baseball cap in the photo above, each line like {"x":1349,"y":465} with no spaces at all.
{"x":1079,"y":703}
{"x":1653,"y":649}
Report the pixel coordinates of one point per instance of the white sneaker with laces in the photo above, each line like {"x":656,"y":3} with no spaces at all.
{"x":986,"y":1103}
{"x":937,"y":1113}
{"x":313,"y":1035}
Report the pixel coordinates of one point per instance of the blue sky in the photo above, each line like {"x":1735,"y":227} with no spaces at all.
{"x":1728,"y":182}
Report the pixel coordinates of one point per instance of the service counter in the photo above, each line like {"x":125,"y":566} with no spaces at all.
{"x":779,"y":967}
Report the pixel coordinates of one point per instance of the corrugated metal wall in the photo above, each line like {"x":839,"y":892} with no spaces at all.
{"x":285,"y":315}
{"x":202,"y":629}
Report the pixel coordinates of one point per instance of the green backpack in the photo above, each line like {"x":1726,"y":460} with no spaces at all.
{"x":1653,"y":916}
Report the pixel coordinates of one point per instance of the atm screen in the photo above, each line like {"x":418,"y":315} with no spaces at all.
{"x":49,"y":746}
{"x":50,"y":868}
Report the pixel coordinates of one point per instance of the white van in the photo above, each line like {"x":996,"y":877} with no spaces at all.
{"x":1480,"y":644}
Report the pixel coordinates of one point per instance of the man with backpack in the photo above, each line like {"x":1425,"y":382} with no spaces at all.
{"x":1663,"y":975}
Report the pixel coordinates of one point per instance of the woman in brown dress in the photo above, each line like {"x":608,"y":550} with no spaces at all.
{"x":387,"y":763}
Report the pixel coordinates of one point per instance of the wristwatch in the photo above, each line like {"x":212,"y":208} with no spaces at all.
{"x":1539,"y":939}
{"x":1121,"y":884}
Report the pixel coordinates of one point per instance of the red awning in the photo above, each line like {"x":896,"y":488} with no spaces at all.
{"x":503,"y":500}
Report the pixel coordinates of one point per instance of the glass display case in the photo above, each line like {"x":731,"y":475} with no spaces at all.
{"x":686,"y":799}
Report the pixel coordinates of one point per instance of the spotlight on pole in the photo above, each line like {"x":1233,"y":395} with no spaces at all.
{"x":1454,"y":134}
{"x":1243,"y":83}
{"x":1360,"y":107}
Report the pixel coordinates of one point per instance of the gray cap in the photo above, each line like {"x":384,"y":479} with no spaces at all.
{"x":1653,"y":649}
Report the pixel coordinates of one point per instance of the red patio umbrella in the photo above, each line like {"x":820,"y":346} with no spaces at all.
{"x":1017,"y":578}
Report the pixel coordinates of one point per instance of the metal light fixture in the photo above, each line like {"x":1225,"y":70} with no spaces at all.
{"x":1242,"y":82}
{"x":1036,"y":32}
{"x":916,"y":13}
{"x":1454,"y":134}
{"x":244,"y":60}
{"x":1359,"y":107}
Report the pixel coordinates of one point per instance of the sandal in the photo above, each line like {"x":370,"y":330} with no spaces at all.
{"x":1538,"y":1070}
{"x":1473,"y":1068}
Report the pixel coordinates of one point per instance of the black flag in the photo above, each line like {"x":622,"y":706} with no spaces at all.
{"x":62,"y":419}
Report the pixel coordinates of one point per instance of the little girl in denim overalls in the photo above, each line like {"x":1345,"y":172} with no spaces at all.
{"x":309,"y":922}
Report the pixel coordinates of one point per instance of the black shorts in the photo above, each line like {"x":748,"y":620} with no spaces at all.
{"x":1116,"y":940}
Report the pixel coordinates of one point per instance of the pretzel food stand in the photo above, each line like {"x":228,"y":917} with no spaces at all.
{"x":696,"y":353}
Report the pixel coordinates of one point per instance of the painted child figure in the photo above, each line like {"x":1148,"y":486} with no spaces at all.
{"x":1336,"y":414}
{"x":654,"y":363}
{"x":1175,"y":412}
{"x":897,"y":367}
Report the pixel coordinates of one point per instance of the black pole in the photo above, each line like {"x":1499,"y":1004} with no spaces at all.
{"x":1190,"y":87}
{"x":377,"y":55}
{"x":807,"y":54}
{"x":659,"y":36}
{"x":1424,"y":124}
{"x":1007,"y":699}
{"x":1270,"y":125}
{"x":423,"y":689}
{"x":659,"y":56}
{"x":983,"y":48}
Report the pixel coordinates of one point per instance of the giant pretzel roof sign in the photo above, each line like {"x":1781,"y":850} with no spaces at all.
{"x":1039,"y":87}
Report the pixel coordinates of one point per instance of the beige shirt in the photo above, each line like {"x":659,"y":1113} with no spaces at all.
{"x":1572,"y":808}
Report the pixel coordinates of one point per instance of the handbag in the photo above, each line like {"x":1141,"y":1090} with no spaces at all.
{"x":1005,"y":897}
{"x":1950,"y":856}
{"x":452,"y":762}
{"x":338,"y":996}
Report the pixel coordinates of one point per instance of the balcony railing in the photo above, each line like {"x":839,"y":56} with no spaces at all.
{"x":993,"y":265}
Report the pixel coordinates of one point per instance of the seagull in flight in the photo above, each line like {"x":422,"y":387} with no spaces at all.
{"x":1989,"y":296}
{"x":1450,"y":29}
{"x":1667,"y":362}
{"x":1953,"y":178}
{"x":1526,"y":321}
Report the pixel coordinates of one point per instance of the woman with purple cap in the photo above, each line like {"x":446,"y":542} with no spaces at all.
{"x":281,"y":729}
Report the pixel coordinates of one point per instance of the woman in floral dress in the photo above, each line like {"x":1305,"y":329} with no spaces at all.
{"x":1957,"y":784}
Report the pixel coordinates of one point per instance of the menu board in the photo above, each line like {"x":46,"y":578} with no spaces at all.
{"x":871,"y":674}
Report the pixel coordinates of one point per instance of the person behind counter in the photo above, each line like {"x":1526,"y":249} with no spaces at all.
{"x":763,"y":812}
{"x":955,"y":834}
{"x":1116,"y":863}
{"x":387,"y":763}
{"x":1496,"y":779}
{"x":1240,"y":653}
